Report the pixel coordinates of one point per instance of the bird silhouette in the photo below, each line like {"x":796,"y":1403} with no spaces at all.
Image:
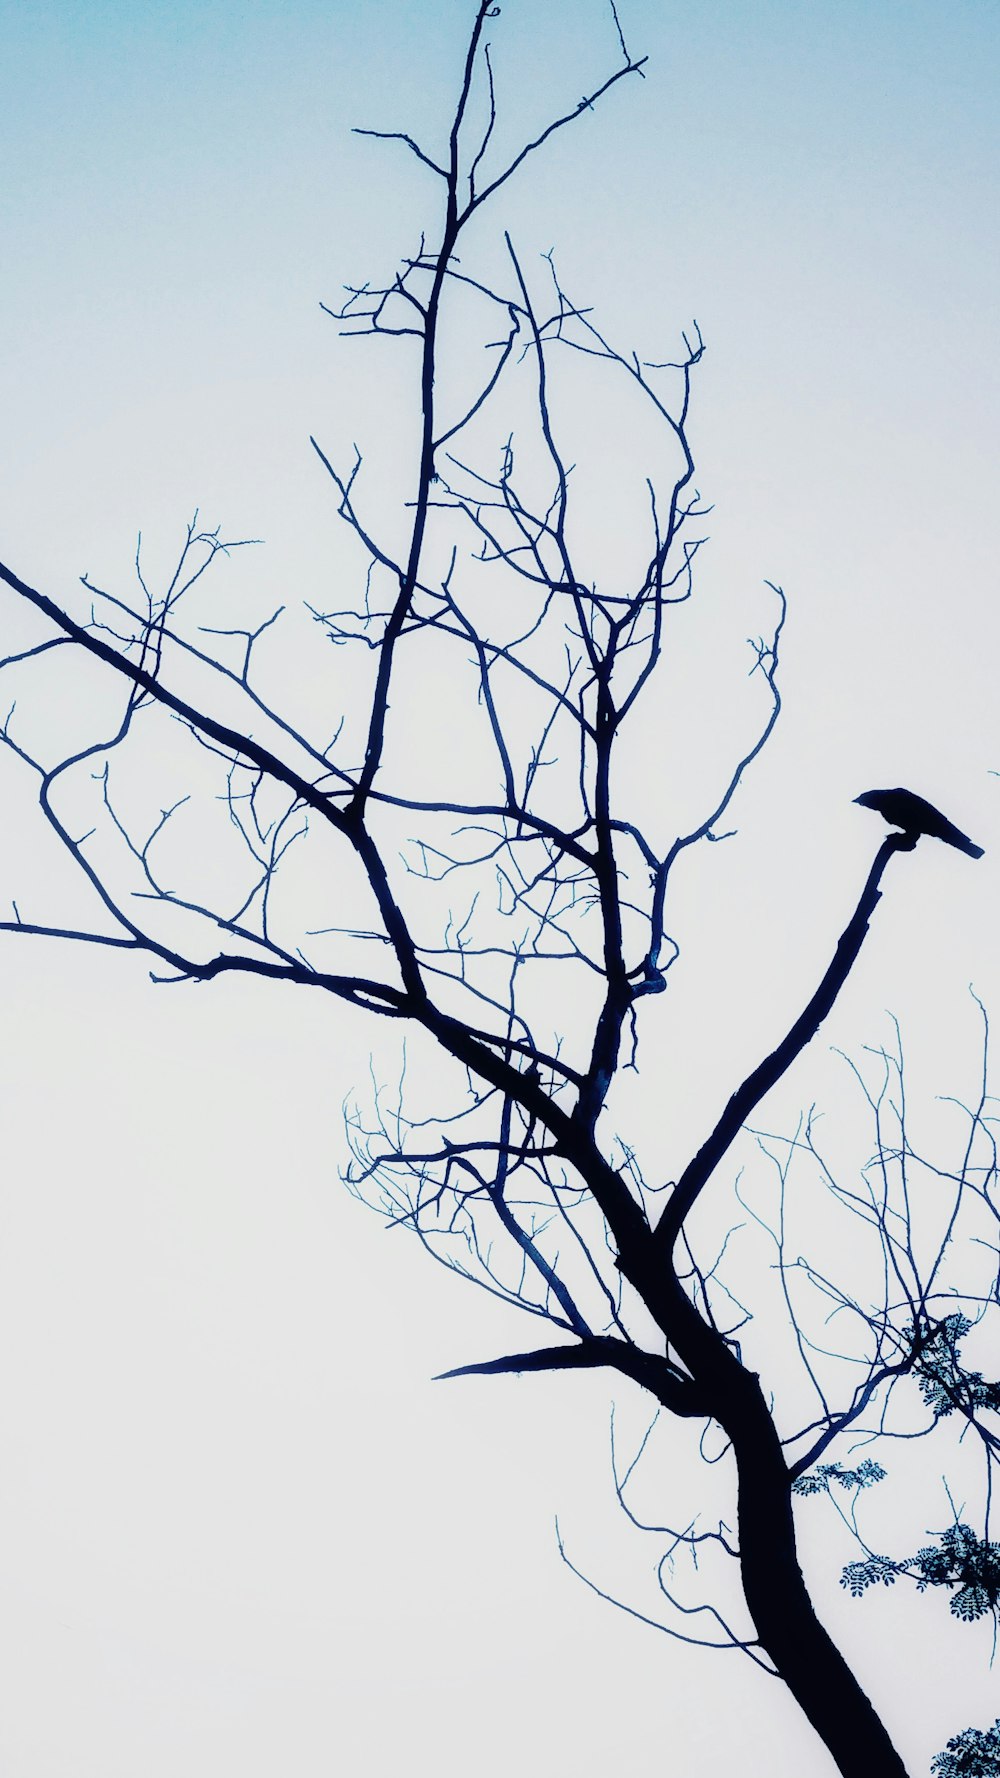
{"x":916,"y":816}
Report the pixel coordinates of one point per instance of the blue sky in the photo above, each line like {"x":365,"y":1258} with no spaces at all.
{"x":239,"y":1530}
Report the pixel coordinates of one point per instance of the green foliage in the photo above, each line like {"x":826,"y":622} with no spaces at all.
{"x":975,"y":1753}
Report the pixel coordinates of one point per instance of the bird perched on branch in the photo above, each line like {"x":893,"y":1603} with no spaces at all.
{"x":915,"y":815}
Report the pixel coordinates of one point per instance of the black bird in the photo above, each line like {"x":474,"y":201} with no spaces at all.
{"x":915,"y":815}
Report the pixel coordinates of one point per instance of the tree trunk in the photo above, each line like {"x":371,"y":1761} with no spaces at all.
{"x":805,"y":1656}
{"x":816,"y":1673}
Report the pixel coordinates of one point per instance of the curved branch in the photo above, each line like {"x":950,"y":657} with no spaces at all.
{"x":656,"y":1375}
{"x":767,"y":1074}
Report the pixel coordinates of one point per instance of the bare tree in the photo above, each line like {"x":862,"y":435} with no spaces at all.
{"x":443,"y":827}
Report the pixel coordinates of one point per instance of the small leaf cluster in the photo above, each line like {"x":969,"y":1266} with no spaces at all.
{"x":962,"y":1559}
{"x":975,"y":1753}
{"x":944,"y":1384}
{"x":859,"y":1576}
{"x":959,"y":1559}
{"x":818,"y":1480}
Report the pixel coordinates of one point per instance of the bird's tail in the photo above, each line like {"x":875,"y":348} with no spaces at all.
{"x":964,"y":844}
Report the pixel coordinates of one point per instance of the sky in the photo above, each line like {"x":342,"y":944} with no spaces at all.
{"x":241,"y":1528}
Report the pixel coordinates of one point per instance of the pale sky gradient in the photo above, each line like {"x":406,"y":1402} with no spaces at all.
{"x":240,"y":1529}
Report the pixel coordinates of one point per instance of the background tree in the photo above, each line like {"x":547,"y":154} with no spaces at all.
{"x":582,"y":891}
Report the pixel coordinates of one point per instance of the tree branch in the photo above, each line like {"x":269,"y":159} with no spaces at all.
{"x":766,"y":1075}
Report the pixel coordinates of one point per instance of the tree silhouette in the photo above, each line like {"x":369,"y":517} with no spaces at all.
{"x":463,"y":849}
